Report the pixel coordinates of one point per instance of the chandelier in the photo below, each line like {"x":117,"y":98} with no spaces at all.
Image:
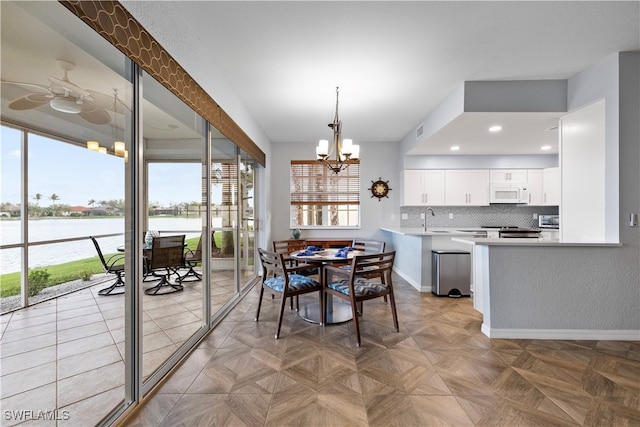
{"x":344,"y":150}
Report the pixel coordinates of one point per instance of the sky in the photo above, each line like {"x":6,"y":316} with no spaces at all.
{"x":78,"y":175}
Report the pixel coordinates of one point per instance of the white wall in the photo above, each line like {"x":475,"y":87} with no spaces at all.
{"x":377,"y":160}
{"x":583,"y":174}
{"x":596,"y":83}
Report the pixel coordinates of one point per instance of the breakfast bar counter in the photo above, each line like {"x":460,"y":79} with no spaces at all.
{"x":537,"y":289}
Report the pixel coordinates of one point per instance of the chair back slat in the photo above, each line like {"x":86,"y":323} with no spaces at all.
{"x":167,"y":251}
{"x":368,"y":246}
{"x":379,"y":263}
{"x":272,"y":263}
{"x":288,"y":246}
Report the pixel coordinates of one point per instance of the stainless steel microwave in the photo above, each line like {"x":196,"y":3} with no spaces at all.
{"x":549,"y":221}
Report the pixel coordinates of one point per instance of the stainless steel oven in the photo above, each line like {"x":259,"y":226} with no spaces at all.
{"x":519,"y":233}
{"x":549,"y":221}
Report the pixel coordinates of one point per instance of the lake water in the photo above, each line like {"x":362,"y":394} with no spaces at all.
{"x":63,"y":228}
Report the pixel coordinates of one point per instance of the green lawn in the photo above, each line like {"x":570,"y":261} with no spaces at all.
{"x":66,"y":272}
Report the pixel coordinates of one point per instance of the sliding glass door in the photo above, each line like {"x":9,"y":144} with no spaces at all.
{"x":97,"y":155}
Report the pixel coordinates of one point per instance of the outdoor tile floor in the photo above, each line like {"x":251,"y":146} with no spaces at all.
{"x":66,"y":354}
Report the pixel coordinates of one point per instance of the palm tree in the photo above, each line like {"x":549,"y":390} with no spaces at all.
{"x":54,"y":197}
{"x":92,"y":202}
{"x":37,"y":198}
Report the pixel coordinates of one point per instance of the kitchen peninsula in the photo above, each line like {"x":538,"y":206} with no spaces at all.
{"x":526,"y":288}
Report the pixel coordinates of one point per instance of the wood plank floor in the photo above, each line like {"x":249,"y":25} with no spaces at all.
{"x":439,"y":370}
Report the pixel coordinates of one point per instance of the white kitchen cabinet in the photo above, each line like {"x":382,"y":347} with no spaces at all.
{"x":535,"y":187}
{"x":551,"y":186}
{"x":423,"y":187}
{"x":466,"y":187}
{"x":508,"y":176}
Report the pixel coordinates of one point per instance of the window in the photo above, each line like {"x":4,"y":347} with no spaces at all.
{"x":321,"y":198}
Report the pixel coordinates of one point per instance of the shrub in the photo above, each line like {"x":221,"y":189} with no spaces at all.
{"x":38,"y":280}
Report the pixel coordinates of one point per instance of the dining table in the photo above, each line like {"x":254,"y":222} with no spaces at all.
{"x":335,"y":313}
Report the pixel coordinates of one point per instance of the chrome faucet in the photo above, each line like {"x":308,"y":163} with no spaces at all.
{"x":425,"y":218}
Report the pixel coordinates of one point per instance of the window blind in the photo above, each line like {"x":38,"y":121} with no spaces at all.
{"x":312,"y":183}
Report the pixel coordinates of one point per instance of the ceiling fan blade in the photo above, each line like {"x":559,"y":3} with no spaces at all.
{"x":33,"y":85}
{"x":94,"y":114}
{"x":27,"y":102}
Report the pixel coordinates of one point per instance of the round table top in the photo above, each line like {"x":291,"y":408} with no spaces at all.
{"x":325,"y":255}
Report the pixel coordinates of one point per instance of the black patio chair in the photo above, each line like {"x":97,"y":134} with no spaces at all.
{"x":113,"y":265}
{"x":192,"y":258}
{"x":167,"y":257}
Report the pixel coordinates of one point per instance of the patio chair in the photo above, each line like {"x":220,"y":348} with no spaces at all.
{"x":191,"y":259}
{"x":353,"y":285}
{"x":113,"y":265}
{"x":167,"y":257}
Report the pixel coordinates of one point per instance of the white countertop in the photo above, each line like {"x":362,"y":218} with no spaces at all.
{"x":528,"y":242}
{"x":465,"y":235}
{"x":432,"y":231}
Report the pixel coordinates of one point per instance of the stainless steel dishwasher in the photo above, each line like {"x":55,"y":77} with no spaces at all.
{"x":451,"y":273}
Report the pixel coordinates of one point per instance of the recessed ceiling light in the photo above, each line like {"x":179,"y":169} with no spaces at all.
{"x":454,"y":148}
{"x":496,"y":128}
{"x":545,"y":147}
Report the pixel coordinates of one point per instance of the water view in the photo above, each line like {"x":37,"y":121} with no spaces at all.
{"x":64,"y":228}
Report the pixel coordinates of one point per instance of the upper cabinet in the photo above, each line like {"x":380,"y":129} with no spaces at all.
{"x":551,"y":186}
{"x":535,"y":187}
{"x":508,"y":176}
{"x":470,"y":187}
{"x":423,"y":187}
{"x":466,"y":187}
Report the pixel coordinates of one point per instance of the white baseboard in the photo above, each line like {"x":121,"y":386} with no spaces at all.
{"x":416,"y":285}
{"x":562,"y":334}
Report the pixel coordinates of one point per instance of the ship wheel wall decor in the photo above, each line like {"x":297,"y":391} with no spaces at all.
{"x":380,"y":189}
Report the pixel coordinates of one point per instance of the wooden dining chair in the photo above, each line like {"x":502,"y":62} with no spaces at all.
{"x":280,"y":277}
{"x":369,"y":247}
{"x":354,"y":286}
{"x":167,"y":257}
{"x":286,"y":247}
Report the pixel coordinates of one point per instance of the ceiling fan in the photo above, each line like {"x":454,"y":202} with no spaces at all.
{"x":64,"y":96}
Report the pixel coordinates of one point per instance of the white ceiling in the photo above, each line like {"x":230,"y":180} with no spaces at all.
{"x":394,"y":61}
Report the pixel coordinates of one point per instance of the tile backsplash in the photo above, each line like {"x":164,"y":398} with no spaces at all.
{"x":476,"y":216}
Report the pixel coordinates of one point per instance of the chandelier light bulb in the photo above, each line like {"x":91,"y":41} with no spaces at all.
{"x":118,"y":148}
{"x":355,"y":152}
